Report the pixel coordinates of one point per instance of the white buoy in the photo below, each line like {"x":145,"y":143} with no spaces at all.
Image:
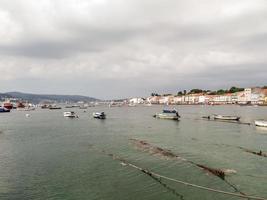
{"x":27,"y":115}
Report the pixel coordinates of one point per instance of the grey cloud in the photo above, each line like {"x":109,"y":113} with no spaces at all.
{"x":125,"y":47}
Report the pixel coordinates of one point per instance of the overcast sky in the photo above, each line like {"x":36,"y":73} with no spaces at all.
{"x":124,"y":48}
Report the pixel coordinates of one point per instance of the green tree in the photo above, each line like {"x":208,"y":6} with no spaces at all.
{"x":154,"y":94}
{"x":221,"y":91}
{"x":235,"y":89}
{"x":195,"y":91}
{"x":180,"y":93}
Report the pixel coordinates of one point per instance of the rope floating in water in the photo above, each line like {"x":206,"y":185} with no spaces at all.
{"x":156,"y":176}
{"x":154,"y":150}
{"x":150,"y":173}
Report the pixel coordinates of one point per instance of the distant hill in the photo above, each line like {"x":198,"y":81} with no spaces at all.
{"x":37,"y":98}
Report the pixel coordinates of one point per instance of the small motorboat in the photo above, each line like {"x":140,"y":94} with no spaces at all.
{"x":167,"y":116}
{"x":2,"y":110}
{"x":7,"y":105}
{"x":261,"y":123}
{"x":69,"y":114}
{"x":54,"y":108}
{"x":99,"y":115}
{"x":226,"y":117}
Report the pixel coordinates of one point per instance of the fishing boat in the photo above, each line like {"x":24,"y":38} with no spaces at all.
{"x":8,"y":105}
{"x":3,"y":110}
{"x":261,"y":123}
{"x":99,"y":115}
{"x":54,"y":108}
{"x":45,"y":106}
{"x":226,"y":117}
{"x":69,"y":114}
{"x":167,"y":116}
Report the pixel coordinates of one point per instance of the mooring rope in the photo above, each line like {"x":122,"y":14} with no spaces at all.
{"x":150,"y":173}
{"x":156,"y":175}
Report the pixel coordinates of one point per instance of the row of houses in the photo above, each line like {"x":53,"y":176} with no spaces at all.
{"x":248,"y":96}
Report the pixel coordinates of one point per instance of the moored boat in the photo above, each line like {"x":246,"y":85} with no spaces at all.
{"x":261,"y":123}
{"x":167,"y":116}
{"x":70,"y":114}
{"x":226,"y":117}
{"x":99,"y":115}
{"x":8,"y":105}
{"x":2,"y":110}
{"x":45,"y":106}
{"x":54,"y":108}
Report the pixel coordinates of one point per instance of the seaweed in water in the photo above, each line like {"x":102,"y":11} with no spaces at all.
{"x":258,"y":153}
{"x":168,"y":154}
{"x":217,"y":172}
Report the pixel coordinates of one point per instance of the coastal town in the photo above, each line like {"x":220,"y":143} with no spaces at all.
{"x":240,"y":96}
{"x":234,"y":96}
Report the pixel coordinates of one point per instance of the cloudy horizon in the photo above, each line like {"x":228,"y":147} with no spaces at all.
{"x":125,"y":48}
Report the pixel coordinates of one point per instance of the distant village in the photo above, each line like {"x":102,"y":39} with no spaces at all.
{"x":241,"y":96}
{"x":238,"y":96}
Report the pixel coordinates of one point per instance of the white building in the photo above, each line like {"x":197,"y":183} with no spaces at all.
{"x":247,"y":94}
{"x":136,"y":100}
{"x":202,"y":99}
{"x":164,"y":100}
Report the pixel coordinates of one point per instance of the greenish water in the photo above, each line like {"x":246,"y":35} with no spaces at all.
{"x":47,"y":156}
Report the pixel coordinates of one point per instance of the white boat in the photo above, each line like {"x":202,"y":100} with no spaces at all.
{"x":99,"y":115}
{"x":226,"y":117}
{"x":70,"y":114}
{"x":167,"y":116}
{"x":261,"y":123}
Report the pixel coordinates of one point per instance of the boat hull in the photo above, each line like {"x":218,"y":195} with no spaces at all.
{"x":99,"y":115}
{"x":222,"y":117}
{"x":165,"y":116}
{"x":8,"y":106}
{"x":4,"y":110}
{"x":261,"y":123}
{"x":69,"y":114}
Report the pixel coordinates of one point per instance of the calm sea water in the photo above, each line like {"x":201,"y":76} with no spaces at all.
{"x":47,"y":156}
